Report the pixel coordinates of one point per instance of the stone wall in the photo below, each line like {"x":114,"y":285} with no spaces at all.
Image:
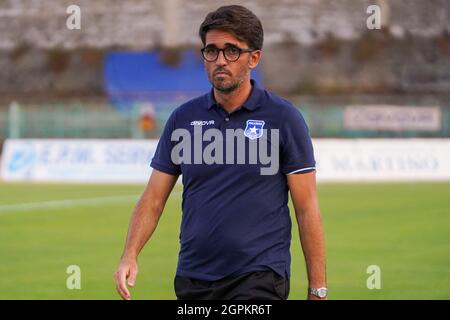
{"x":316,"y":46}
{"x":141,"y":23}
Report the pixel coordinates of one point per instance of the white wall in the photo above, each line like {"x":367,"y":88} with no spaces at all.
{"x":128,"y":161}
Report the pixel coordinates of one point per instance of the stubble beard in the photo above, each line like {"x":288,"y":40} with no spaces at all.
{"x":223,"y":87}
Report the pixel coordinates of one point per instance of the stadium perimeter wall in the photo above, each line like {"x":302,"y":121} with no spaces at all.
{"x":127,"y":161}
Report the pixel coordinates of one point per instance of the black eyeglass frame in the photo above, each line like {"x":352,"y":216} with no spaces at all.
{"x":241,"y":50}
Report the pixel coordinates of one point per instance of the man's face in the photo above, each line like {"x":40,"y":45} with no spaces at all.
{"x":226,"y":76}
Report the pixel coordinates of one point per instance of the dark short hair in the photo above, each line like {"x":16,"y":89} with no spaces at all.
{"x":239,"y":21}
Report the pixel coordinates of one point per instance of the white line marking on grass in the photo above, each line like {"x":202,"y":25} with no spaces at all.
{"x":56,"y":204}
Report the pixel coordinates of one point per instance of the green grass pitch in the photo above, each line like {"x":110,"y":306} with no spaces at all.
{"x":404,"y":228}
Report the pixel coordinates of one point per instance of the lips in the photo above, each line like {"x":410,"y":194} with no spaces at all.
{"x":221,"y":73}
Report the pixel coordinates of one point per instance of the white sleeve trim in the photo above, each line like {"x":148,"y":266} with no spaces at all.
{"x":300,"y":170}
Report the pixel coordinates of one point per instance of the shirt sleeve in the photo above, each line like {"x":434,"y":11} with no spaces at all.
{"x":162,"y":160}
{"x":297,"y":154}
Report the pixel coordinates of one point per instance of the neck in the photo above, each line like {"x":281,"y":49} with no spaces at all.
{"x":233,"y":100}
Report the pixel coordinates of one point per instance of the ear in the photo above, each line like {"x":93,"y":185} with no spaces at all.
{"x":255,"y":56}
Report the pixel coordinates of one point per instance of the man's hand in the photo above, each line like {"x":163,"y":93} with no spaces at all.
{"x":127,"y":270}
{"x":142,"y":225}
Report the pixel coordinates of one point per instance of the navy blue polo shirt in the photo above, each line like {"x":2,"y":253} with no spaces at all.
{"x":235,"y":219}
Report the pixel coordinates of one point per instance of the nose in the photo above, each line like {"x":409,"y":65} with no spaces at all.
{"x":221,"y":61}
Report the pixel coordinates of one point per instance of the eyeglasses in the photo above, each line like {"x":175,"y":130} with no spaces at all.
{"x":231,"y":53}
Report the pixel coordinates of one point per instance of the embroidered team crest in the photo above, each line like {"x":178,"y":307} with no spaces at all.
{"x":254,"y":129}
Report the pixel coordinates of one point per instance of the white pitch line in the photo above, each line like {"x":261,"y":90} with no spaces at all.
{"x":56,"y":204}
{"x":31,"y":206}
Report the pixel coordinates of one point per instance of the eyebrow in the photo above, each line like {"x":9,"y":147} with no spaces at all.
{"x":228,"y":44}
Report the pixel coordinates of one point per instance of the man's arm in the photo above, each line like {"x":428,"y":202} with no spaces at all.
{"x":304,"y":197}
{"x":143,"y":223}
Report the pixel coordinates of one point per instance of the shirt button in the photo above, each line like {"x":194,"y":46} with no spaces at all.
{"x":227,"y":119}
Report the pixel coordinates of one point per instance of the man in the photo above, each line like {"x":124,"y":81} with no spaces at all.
{"x":236,"y":229}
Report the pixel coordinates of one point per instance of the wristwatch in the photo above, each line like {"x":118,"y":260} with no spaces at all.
{"x":318,"y":292}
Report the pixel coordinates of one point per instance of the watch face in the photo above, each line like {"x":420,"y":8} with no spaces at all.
{"x":322,"y":293}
